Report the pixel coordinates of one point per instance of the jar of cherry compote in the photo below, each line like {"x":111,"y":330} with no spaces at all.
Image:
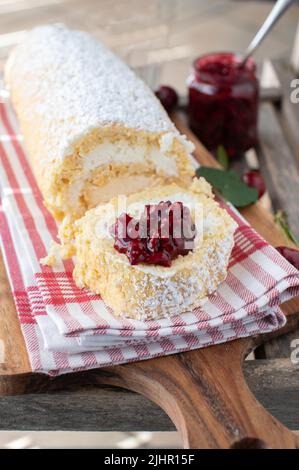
{"x":223,"y":102}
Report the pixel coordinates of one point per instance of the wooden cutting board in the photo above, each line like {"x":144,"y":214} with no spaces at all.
{"x":203,"y":391}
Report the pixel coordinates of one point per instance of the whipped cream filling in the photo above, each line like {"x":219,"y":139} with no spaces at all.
{"x":123,"y":153}
{"x":119,"y":185}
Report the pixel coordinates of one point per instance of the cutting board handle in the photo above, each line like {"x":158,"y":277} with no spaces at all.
{"x":205,"y":395}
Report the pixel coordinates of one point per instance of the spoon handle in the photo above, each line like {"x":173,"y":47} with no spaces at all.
{"x":277,"y":11}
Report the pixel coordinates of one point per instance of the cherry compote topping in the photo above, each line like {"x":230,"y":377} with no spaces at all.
{"x":163,"y":232}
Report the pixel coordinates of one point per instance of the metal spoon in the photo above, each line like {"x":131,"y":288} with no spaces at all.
{"x":277,"y":11}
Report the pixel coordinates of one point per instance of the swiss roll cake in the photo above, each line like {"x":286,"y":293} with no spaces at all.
{"x":143,"y":271}
{"x":92,"y":128}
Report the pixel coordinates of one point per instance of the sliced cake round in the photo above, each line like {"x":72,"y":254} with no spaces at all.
{"x":150,"y":275}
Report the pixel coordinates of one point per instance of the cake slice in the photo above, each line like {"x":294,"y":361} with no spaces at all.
{"x":144,"y":274}
{"x":92,"y":128}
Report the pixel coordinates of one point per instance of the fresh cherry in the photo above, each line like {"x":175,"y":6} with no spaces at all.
{"x":168,"y":97}
{"x":158,"y":237}
{"x":255,"y":180}
{"x":291,"y":254}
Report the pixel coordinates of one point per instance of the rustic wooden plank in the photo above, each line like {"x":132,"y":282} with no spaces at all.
{"x":280,"y":347}
{"x":96,"y":408}
{"x":287,"y":115}
{"x":282,"y":177}
{"x":295,"y":53}
{"x":275,"y":383}
{"x":205,"y":395}
{"x":272,"y":94}
{"x":87,"y":409}
{"x":278,"y":165}
{"x":289,"y":110}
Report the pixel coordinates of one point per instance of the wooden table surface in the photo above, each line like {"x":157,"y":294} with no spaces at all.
{"x":34,"y":401}
{"x":160,"y":41}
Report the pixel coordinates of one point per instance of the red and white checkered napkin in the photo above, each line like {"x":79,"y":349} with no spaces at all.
{"x":68,"y":329}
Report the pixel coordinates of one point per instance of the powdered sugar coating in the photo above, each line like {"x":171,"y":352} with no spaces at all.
{"x":178,"y":294}
{"x":79,"y":85}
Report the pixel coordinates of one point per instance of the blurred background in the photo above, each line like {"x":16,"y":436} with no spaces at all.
{"x":165,"y":34}
{"x":159,"y":38}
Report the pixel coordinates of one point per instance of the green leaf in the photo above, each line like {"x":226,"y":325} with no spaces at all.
{"x":230,"y":186}
{"x":222,"y":157}
{"x":281,"y":219}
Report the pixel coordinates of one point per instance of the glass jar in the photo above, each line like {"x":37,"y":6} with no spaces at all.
{"x":223,"y":102}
